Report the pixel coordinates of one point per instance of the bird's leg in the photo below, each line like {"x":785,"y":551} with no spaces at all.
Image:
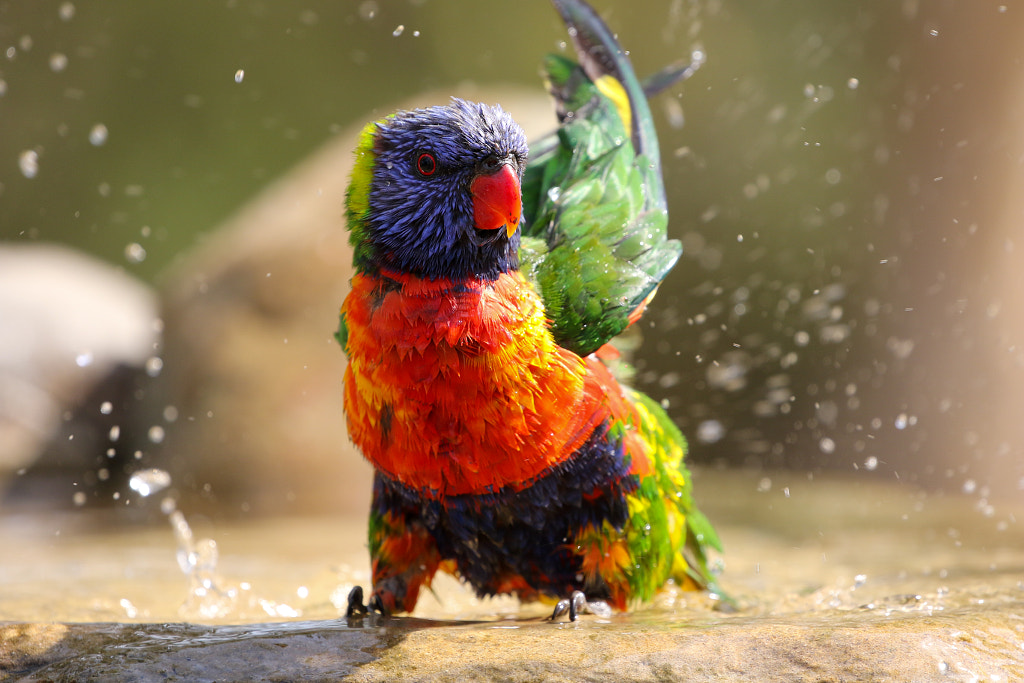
{"x":405,"y":559}
{"x":577,"y":604}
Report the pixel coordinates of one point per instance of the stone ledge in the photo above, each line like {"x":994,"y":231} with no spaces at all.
{"x":970,"y":644}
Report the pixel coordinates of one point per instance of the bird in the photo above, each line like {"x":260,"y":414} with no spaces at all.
{"x":490,"y":279}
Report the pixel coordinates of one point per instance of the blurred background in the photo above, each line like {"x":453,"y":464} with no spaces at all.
{"x":846,"y":180}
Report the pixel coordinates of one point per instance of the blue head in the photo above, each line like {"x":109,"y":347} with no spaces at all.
{"x":436,"y":192}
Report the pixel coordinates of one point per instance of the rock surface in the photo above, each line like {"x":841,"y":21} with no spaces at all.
{"x":969,"y":646}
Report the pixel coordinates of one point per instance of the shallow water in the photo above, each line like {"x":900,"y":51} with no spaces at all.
{"x":797,"y":547}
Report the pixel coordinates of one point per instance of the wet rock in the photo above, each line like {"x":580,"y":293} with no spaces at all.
{"x":899,"y":650}
{"x":968,"y":646}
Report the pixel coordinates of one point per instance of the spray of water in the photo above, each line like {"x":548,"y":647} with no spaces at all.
{"x":210,"y":595}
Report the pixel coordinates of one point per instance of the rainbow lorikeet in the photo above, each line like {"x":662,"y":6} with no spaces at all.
{"x":488,"y":279}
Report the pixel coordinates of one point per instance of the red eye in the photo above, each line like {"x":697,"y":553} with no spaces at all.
{"x":426,"y":164}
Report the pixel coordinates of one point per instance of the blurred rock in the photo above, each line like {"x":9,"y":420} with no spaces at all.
{"x":66,"y":322}
{"x":252,"y":376}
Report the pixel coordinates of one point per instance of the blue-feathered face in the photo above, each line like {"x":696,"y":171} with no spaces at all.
{"x":444,"y":192}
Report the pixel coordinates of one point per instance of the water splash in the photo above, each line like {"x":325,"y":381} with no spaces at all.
{"x":58,"y":62}
{"x":28,"y":163}
{"x":210,"y":595}
{"x":150,"y":481}
{"x":98,"y":135}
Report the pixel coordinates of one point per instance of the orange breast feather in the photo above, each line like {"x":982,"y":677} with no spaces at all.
{"x":459,"y":388}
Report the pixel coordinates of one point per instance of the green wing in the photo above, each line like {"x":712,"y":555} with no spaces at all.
{"x":594,"y":240}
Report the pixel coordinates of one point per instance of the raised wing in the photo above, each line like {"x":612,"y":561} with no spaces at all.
{"x":594,"y":241}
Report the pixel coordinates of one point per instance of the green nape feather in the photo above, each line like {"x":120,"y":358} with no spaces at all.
{"x":593,"y":195}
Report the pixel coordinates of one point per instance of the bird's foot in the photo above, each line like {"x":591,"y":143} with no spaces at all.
{"x":358,"y":610}
{"x":577,"y":604}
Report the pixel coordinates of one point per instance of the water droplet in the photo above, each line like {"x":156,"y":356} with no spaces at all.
{"x":84,"y":359}
{"x":98,"y":135}
{"x":3,"y":87}
{"x":114,"y":434}
{"x":398,"y":30}
{"x":58,"y":62}
{"x":25,"y":43}
{"x":135,"y":252}
{"x":970,"y":486}
{"x":901,"y":421}
{"x":710,"y":431}
{"x":833,"y":176}
{"x":871,"y":464}
{"x":106,"y":408}
{"x":853,"y":83}
{"x":765,"y":484}
{"x":150,"y":481}
{"x":156,"y":434}
{"x":28,"y":162}
{"x":130,"y":610}
{"x":171,"y":413}
{"x":79,"y":498}
{"x":66,"y":11}
{"x":368,"y":10}
{"x":154,"y":365}
{"x":239,"y":75}
{"x":827,"y":445}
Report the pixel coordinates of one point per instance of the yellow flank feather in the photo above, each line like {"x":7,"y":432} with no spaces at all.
{"x":613,"y":90}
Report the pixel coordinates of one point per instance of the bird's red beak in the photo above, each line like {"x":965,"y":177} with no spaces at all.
{"x":497,"y":200}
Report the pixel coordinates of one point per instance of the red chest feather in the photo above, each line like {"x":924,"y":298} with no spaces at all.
{"x":459,"y":388}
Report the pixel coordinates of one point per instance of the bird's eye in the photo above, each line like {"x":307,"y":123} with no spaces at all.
{"x":426,"y":164}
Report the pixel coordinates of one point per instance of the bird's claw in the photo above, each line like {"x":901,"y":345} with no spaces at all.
{"x":357,"y":609}
{"x":377,"y":605}
{"x":577,"y":604}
